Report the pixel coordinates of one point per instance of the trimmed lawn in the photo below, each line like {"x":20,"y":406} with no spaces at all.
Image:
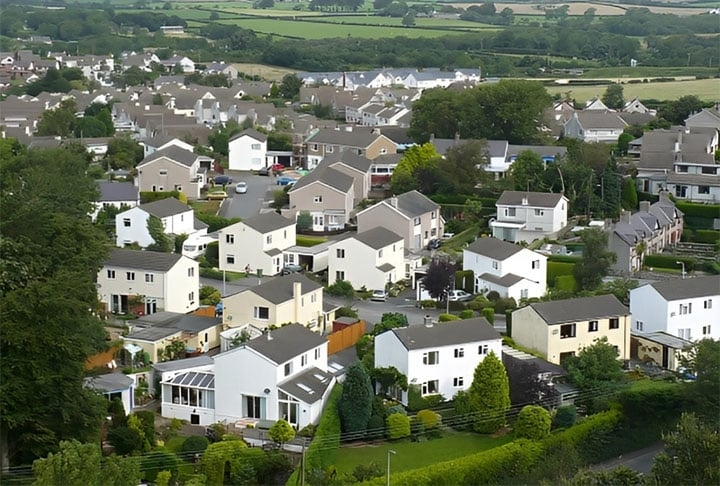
{"x":207,"y":207}
{"x":304,"y":240}
{"x":413,"y":455}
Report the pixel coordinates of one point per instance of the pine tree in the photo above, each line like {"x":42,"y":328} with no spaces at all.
{"x":489,"y":395}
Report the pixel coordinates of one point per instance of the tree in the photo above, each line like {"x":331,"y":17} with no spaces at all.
{"x":620,"y":476}
{"x":623,"y":142}
{"x":59,"y":122}
{"x":209,"y":295}
{"x":527,"y":172}
{"x":595,"y":366}
{"x":473,"y":211}
{"x":677,"y":111}
{"x":355,"y":405}
{"x":613,"y":97}
{"x":439,"y":277}
{"x":416,"y":158}
{"x":409,"y":19}
{"x":290,"y":86}
{"x":390,"y":320}
{"x":281,"y":432}
{"x":304,"y":220}
{"x":156,"y":229}
{"x":596,"y":259}
{"x":619,"y":287}
{"x":629,"y":195}
{"x":692,"y":454}
{"x":526,"y":385}
{"x":463,"y":167}
{"x":125,"y":440}
{"x":533,"y":422}
{"x":703,"y":360}
{"x":123,"y":153}
{"x":489,"y":395}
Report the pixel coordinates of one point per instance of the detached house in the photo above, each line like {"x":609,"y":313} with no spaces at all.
{"x":412,"y":215}
{"x":356,"y":166}
{"x":131,"y":226}
{"x":369,"y":259}
{"x":146,"y":282}
{"x":559,"y":329}
{"x":172,"y":169}
{"x":117,"y":195}
{"x":510,"y":270}
{"x":594,"y":126}
{"x":438,"y":359}
{"x":257,"y":242}
{"x":363,"y":141}
{"x":687,"y":308}
{"x":328,"y":194}
{"x":529,"y":216}
{"x":247,"y":150}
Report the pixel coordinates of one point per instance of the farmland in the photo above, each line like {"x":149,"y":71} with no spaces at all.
{"x":705,"y":89}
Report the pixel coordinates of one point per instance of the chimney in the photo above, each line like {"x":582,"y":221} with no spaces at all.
{"x":645,"y":206}
{"x":524,"y":201}
{"x":427,"y":320}
{"x":393,"y":201}
{"x":625,"y":216}
{"x":297,"y":298}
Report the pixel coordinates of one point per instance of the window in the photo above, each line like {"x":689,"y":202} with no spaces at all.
{"x":130,"y":275}
{"x":683,"y":309}
{"x":459,"y":352}
{"x":254,"y":407}
{"x":535,"y":264}
{"x":230,"y":239}
{"x":339,"y":275}
{"x":510,"y":212}
{"x":639,"y":325}
{"x":431,"y":358}
{"x":314,"y":147}
{"x":255,"y":146}
{"x":708,"y":170}
{"x":681,"y":168}
{"x":383,"y":151}
{"x":707,"y":304}
{"x":288,"y":368}
{"x":268,"y":239}
{"x":483,"y":349}
{"x":495,"y":264}
{"x":706,"y":330}
{"x":703,"y":189}
{"x":523,"y":293}
{"x":430,"y":387}
{"x":416,"y":221}
{"x":111,"y":274}
{"x":458,"y":382}
{"x":380,"y":253}
{"x":592,"y":326}
{"x":191,"y":296}
{"x":539,"y":212}
{"x":433,"y":232}
{"x":126,"y":222}
{"x":317,"y":354}
{"x":317,"y":199}
{"x":261,"y":313}
{"x":329,"y":149}
{"x":163,"y":172}
{"x":614,"y":323}
{"x":303,"y":360}
{"x":313,"y":298}
{"x":191,"y":272}
{"x":684,"y":333}
{"x":149,"y":278}
{"x":230,"y":259}
{"x":567,"y":331}
{"x":433,"y":215}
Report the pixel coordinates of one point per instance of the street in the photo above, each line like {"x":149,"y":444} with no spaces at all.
{"x":640,"y":460}
{"x":258,"y":195}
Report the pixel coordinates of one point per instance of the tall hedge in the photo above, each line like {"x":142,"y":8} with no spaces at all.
{"x":557,"y":269}
{"x":670,"y":261}
{"x":698,"y":210}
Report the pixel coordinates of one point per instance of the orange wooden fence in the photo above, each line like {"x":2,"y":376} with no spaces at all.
{"x":345,"y":338}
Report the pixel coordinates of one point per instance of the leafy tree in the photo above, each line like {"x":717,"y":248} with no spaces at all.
{"x":159,"y":460}
{"x":613,"y":97}
{"x":629,"y":195}
{"x":281,"y":432}
{"x":290,"y":86}
{"x":623,"y":142}
{"x":527,"y":172}
{"x":417,"y":157}
{"x":704,"y":361}
{"x":58,"y":122}
{"x":595,"y":366}
{"x":462,"y":168}
{"x":364,"y":345}
{"x":123,"y":153}
{"x":342,"y":288}
{"x":367,"y":472}
{"x":677,"y":111}
{"x":355,"y":405}
{"x":195,"y":444}
{"x":692,"y":454}
{"x":390,"y":320}
{"x":409,"y":19}
{"x":220,"y":137}
{"x":439,"y":277}
{"x":473,"y":210}
{"x":596,"y":259}
{"x":533,"y":422}
{"x":279,"y":141}
{"x":52,"y":82}
{"x":387,"y":377}
{"x":156,"y":229}
{"x":125,"y":440}
{"x":565,"y":416}
{"x":526,"y":386}
{"x":619,"y":287}
{"x":304,"y":220}
{"x":489,"y":395}
{"x":209,"y":295}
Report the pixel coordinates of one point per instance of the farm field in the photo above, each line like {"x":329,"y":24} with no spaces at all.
{"x":271,"y":73}
{"x":578,"y":8}
{"x":705,"y":89}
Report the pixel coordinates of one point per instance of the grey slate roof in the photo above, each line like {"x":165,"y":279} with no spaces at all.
{"x":675,"y":289}
{"x":285,"y":343}
{"x":386,"y":267}
{"x":142,"y":260}
{"x":117,"y":191}
{"x":357,"y":138}
{"x":580,"y":309}
{"x":280,"y":289}
{"x":412,"y":204}
{"x":378,"y":237}
{"x":349,"y":158}
{"x":493,"y":248}
{"x":251,"y":132}
{"x":326,"y":175}
{"x":181,"y":364}
{"x":541,"y":150}
{"x":308,"y":386}
{"x":592,"y":119}
{"x":267,"y":222}
{"x":109,"y":383}
{"x":534,"y":199}
{"x":507,"y":280}
{"x":156,"y":326}
{"x":173,"y":152}
{"x":446,"y":334}
{"x":165,"y":207}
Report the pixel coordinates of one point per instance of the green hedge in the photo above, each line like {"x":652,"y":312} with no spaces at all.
{"x":699,"y":210}
{"x":589,"y":437}
{"x":696,"y":222}
{"x":152,"y":196}
{"x":706,"y":236}
{"x":556,"y":269}
{"x":652,"y":400}
{"x":566,"y":282}
{"x":670,"y":261}
{"x":563,"y":258}
{"x":487,"y":202}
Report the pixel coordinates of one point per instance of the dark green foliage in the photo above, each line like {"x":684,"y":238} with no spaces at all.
{"x":621,"y":475}
{"x":594,"y":366}
{"x":652,"y":401}
{"x":489,"y":395}
{"x":566,"y":283}
{"x":355,"y":406}
{"x":390,"y":320}
{"x":397,"y":426}
{"x":341,"y":288}
{"x":215,"y":222}
{"x":508,"y":323}
{"x":596,"y":259}
{"x":670,"y":261}
{"x":533,"y":422}
{"x":147,"y":197}
{"x":116,"y":410}
{"x":418,"y":402}
{"x":376,"y":427}
{"x":489,"y":314}
{"x":156,"y":461}
{"x":195,"y":444}
{"x":387,"y":377}
{"x":156,"y":229}
{"x":125,"y":440}
{"x":467,"y":314}
{"x":704,"y":360}
{"x":703,"y":236}
{"x":366,"y":472}
{"x":698,"y":210}
{"x":565,"y":417}
{"x":527,"y":172}
{"x":629,"y":195}
{"x":304,"y":220}
{"x":290,"y":86}
{"x":326,"y":442}
{"x":613,"y":97}
{"x":364,"y":345}
{"x":147,"y":419}
{"x":501,"y":305}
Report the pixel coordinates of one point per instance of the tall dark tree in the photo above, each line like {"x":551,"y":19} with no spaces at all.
{"x":59,"y":122}
{"x":462,"y":168}
{"x":526,"y":385}
{"x":704,"y":360}
{"x":51,"y":255}
{"x":527,"y":172}
{"x":355,"y":406}
{"x":613,"y":97}
{"x":439,"y":277}
{"x":677,"y":111}
{"x":290,"y":86}
{"x":596,"y":259}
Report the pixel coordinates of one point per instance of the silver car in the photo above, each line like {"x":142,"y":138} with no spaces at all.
{"x":378,"y":296}
{"x":241,"y":187}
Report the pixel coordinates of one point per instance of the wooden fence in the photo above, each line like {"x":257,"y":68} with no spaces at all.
{"x":345,"y":338}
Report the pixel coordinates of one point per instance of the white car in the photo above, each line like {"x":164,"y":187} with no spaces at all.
{"x":459,"y":296}
{"x":378,"y":296}
{"x":241,"y":187}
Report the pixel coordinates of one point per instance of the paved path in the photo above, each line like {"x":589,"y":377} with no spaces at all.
{"x":640,"y":460}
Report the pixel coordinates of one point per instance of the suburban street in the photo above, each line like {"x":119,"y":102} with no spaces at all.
{"x":640,"y":460}
{"x":259,"y":194}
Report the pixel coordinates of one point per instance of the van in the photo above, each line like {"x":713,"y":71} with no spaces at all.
{"x":195,"y":246}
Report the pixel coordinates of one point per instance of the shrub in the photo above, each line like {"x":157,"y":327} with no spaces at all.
{"x":398,"y":426}
{"x":706,"y":236}
{"x":533,"y":422}
{"x":363,"y":472}
{"x":565,"y":417}
{"x":395,"y":409}
{"x":429,"y":418}
{"x":489,"y":314}
{"x":125,"y":440}
{"x":493,"y":295}
{"x":346,"y":312}
{"x":152,"y":196}
{"x":448,"y":318}
{"x":501,"y":305}
{"x":669,"y":261}
{"x":508,"y":323}
{"x":376,"y":427}
{"x":652,"y":400}
{"x":428,"y":304}
{"x":589,"y":437}
{"x":157,"y":461}
{"x":307,"y":431}
{"x":698,"y":210}
{"x":479,"y":303}
{"x":147,"y":419}
{"x":341,"y":288}
{"x":467,"y":314}
{"x":195,"y":443}
{"x":418,"y":402}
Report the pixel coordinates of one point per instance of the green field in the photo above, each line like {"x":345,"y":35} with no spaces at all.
{"x":705,"y":89}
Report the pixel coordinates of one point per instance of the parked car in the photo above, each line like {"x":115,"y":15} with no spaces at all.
{"x":277,"y":168}
{"x":288,"y":269}
{"x":378,"y":295}
{"x":265,"y":171}
{"x":241,"y":187}
{"x":433,"y":244}
{"x":459,"y":296}
{"x":222,"y":180}
{"x":447,"y":236}
{"x":285,"y":181}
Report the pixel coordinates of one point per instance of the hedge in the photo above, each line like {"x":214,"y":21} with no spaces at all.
{"x":563,"y":258}
{"x":589,"y":437}
{"x":152,"y":196}
{"x":489,"y":314}
{"x":448,"y":318}
{"x":706,"y":236}
{"x":556,"y":269}
{"x":566,"y":282}
{"x":698,"y":210}
{"x":650,"y":400}
{"x":670,"y":261}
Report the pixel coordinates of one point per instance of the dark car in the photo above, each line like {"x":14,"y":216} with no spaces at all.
{"x":222,"y":180}
{"x":265,"y":171}
{"x":288,"y":269}
{"x":433,"y":244}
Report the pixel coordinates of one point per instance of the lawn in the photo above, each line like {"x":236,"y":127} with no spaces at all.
{"x":705,"y":89}
{"x":207,"y":207}
{"x":414,"y":455}
{"x":304,"y":240}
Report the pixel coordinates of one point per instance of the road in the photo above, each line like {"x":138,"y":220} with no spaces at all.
{"x":259,"y":194}
{"x":640,"y":460}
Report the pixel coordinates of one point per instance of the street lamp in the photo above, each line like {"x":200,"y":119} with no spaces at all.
{"x":682,"y":264}
{"x":387,"y":477}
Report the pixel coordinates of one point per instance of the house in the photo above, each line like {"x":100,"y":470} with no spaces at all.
{"x":131,"y":226}
{"x":382,"y":169}
{"x":688,"y":308}
{"x":257,"y":243}
{"x":119,"y":195}
{"x":328,"y":194}
{"x":146,"y":282}
{"x":529,"y":216}
{"x":661,"y":348}
{"x":594,"y":126}
{"x":290,"y":298}
{"x":438,"y":359}
{"x":247,"y":150}
{"x":221,"y":68}
{"x":370,"y":259}
{"x":356,"y":166}
{"x":705,"y":118}
{"x":495,"y":152}
{"x":412,"y":215}
{"x":154,"y":332}
{"x":184,"y":64}
{"x":363,"y":141}
{"x":646,"y":232}
{"x":172,"y":169}
{"x":289,"y":380}
{"x":559,"y":329}
{"x":508,"y":269}
{"x":162,"y":141}
{"x":596,"y":104}
{"x":519,"y":364}
{"x":112,"y":386}
{"x":636,"y":106}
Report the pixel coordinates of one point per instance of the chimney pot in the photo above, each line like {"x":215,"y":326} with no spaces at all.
{"x":625,"y":216}
{"x":393,"y":201}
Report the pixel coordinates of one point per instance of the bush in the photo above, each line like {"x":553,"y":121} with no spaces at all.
{"x":195,"y":443}
{"x":565,"y":417}
{"x":157,"y":461}
{"x":152,"y":196}
{"x":346,"y":312}
{"x":125,"y":440}
{"x":418,"y":402}
{"x":363,"y":472}
{"x":489,"y":314}
{"x":307,"y":431}
{"x":428,"y":304}
{"x":147,"y":419}
{"x":467,"y":314}
{"x":398,"y":426}
{"x":566,"y":283}
{"x":652,"y":401}
{"x":429,"y":418}
{"x":533,"y":422}
{"x":479,"y":303}
{"x":376,"y":427}
{"x":501,"y":305}
{"x":493,"y":295}
{"x":589,"y":437}
{"x":341,"y":288}
{"x":448,"y":318}
{"x":669,"y":261}
{"x":706,"y":236}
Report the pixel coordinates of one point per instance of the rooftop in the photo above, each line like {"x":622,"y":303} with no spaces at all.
{"x":580,"y":309}
{"x":165,"y":207}
{"x":530,"y":199}
{"x":675,"y":289}
{"x":118,"y":191}
{"x":142,"y":260}
{"x":494,"y":248}
{"x":283,"y":344}
{"x":267,"y":222}
{"x":280,"y":289}
{"x":446,"y":334}
{"x":309,"y":386}
{"x":378,"y":237}
{"x":174,"y":153}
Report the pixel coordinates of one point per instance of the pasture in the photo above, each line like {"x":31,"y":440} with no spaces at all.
{"x":705,"y":89}
{"x":271,"y":73}
{"x":578,"y":8}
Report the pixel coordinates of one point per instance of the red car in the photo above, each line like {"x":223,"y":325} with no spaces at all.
{"x":277,"y":167}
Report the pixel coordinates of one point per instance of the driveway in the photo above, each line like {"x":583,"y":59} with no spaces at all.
{"x":259,"y":195}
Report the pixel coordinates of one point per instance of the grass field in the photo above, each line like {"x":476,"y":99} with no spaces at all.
{"x":578,"y":8}
{"x":271,"y":73}
{"x":705,"y":89}
{"x":413,"y":455}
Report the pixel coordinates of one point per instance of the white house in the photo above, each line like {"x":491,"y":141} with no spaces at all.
{"x":247,"y":150}
{"x":510,"y":270}
{"x":439,"y":359}
{"x":117,"y":195}
{"x":148,"y":281}
{"x":131,"y":226}
{"x":529,"y":216}
{"x":594,"y":126}
{"x":369,"y":259}
{"x":112,"y":386}
{"x":687,"y":308}
{"x":281,"y":374}
{"x":257,"y":242}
